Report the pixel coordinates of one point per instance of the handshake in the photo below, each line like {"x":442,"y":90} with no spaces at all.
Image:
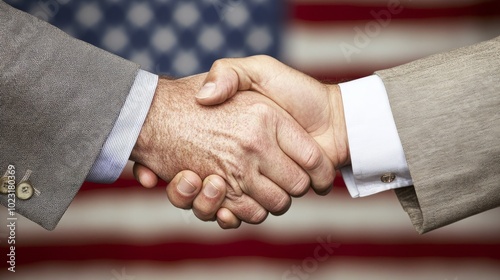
{"x":257,"y":133}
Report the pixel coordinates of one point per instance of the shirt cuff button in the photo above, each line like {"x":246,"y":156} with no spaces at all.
{"x":388,"y":178}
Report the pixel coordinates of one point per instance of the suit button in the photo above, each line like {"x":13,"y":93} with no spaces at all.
{"x":388,"y":178}
{"x":24,"y":190}
{"x":4,"y":185}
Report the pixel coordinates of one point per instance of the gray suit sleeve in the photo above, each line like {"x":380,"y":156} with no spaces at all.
{"x":59,"y":99}
{"x":447,"y":112}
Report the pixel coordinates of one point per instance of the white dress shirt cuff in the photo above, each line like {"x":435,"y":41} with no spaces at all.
{"x":378,"y":161}
{"x":121,"y":140}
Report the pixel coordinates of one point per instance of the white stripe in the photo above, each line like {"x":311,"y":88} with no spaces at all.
{"x":146,"y":217}
{"x":341,"y":46}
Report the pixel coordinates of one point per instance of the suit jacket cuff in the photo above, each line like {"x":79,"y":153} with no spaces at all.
{"x":120,"y":142}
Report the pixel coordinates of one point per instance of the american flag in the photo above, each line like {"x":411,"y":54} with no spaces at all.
{"x":122,"y":231}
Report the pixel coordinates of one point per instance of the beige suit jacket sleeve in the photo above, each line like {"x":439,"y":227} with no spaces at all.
{"x":59,"y":100}
{"x":447,"y":112}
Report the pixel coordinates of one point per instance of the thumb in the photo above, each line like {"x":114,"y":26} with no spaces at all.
{"x":225,"y":79}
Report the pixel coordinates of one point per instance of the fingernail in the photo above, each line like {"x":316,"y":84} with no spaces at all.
{"x":210,"y":190}
{"x":185,"y":187}
{"x":206,"y":91}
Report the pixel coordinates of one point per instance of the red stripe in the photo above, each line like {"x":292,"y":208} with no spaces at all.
{"x":119,"y":184}
{"x":131,"y":183}
{"x":338,"y":74}
{"x":250,"y":248}
{"x":338,"y":12}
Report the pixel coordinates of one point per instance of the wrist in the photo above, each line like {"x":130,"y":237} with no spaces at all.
{"x":144,"y":147}
{"x":166,"y":130}
{"x":341,"y":143}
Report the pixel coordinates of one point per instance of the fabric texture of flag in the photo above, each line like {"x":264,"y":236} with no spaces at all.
{"x":122,"y":231}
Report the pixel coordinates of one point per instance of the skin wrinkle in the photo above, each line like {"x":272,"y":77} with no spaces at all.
{"x":274,"y":76}
{"x":227,"y":140}
{"x":204,"y":203}
{"x":204,"y":211}
{"x":260,"y":85}
{"x":340,"y":142}
{"x":260,"y":147}
{"x":301,"y":186}
{"x":320,"y":114}
{"x":328,"y":129}
{"x":303,"y":182}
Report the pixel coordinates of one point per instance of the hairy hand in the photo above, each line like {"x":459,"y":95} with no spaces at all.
{"x":315,"y":106}
{"x":249,"y":142}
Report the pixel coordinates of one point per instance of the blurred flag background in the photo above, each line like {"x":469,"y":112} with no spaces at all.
{"x":122,"y":231}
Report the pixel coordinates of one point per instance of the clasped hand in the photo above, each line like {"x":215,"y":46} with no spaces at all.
{"x":257,"y":133}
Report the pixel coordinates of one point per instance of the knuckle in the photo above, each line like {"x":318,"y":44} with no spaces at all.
{"x":256,"y":137}
{"x":322,"y":179}
{"x":301,"y":187}
{"x":265,"y":58}
{"x":328,"y":180}
{"x":223,"y":64}
{"x":282,"y":206}
{"x":253,"y":145}
{"x":323,"y":189}
{"x":258,"y":217}
{"x":312,"y":158}
{"x":261,"y":110}
{"x":219,"y":63}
